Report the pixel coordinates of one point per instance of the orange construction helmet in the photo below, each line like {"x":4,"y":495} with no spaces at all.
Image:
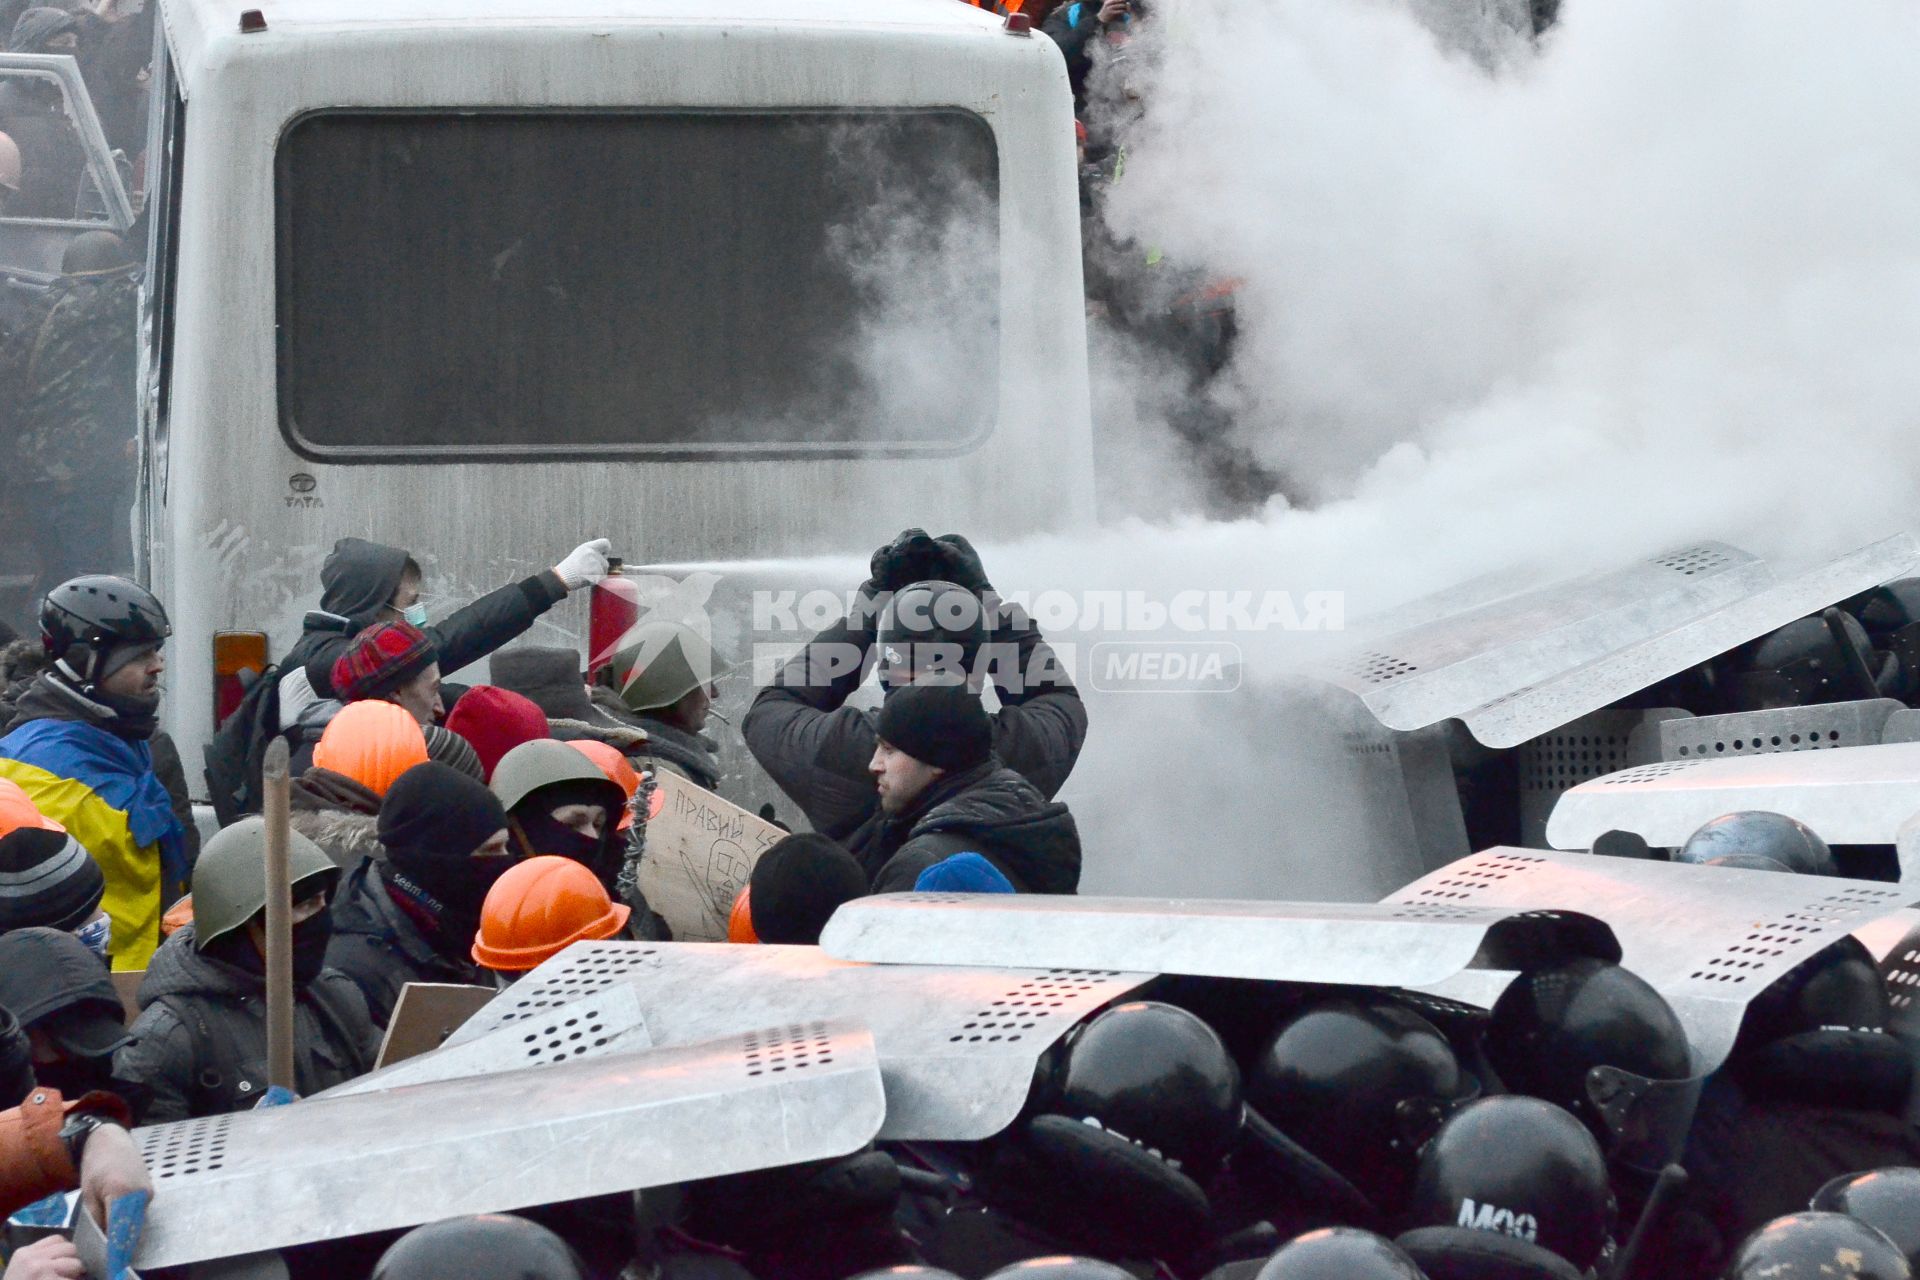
{"x":180,"y":913}
{"x":373,"y":742}
{"x":538,"y":909}
{"x":740,"y":919}
{"x":18,"y":810}
{"x":619,"y":770}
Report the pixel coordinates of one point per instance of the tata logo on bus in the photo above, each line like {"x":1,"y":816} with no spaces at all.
{"x":303,"y":484}
{"x":1488,"y":1217}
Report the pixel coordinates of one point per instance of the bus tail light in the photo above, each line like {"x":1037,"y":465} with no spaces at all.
{"x":235,"y":654}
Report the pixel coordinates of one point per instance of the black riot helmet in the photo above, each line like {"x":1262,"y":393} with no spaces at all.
{"x":1128,"y":1117}
{"x":1886,"y":1199}
{"x":488,"y":1246}
{"x":1062,"y":1267}
{"x":1339,"y":1253}
{"x":1154,"y":1075}
{"x":1359,"y":1085}
{"x":1824,"y":658}
{"x":1519,"y":1167}
{"x":932,"y":629}
{"x":84,"y":621}
{"x":1820,"y":1030}
{"x":1600,"y":1042}
{"x":1817,"y":1246}
{"x":910,"y":1271}
{"x":1756,"y":832}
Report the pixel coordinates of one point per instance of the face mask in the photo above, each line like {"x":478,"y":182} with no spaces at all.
{"x":310,"y":938}
{"x":600,"y":855}
{"x":415,"y":613}
{"x":97,"y":936}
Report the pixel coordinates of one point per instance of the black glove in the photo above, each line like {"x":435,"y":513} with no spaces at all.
{"x":960,"y":563}
{"x":912,"y":557}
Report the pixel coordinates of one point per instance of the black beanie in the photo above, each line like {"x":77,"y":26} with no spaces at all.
{"x":798,"y":883}
{"x":436,"y":810}
{"x":943,"y":725}
{"x":47,"y":880}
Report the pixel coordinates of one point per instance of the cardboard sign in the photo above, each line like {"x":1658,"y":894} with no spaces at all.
{"x":700,"y":851}
{"x":425,"y":1015}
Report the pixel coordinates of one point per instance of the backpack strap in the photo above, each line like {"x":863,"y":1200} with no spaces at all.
{"x":330,"y":1004}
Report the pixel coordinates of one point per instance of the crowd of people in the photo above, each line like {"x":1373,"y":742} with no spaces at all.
{"x":466,"y":835}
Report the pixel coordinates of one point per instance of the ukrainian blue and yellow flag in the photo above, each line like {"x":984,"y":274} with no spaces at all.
{"x":102,"y":789}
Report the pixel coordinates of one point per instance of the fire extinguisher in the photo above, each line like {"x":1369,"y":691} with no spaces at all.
{"x":611,"y":613}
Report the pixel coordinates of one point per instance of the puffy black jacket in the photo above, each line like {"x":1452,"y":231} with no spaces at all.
{"x":817,"y":748}
{"x":200,"y":1042}
{"x":360,"y":577}
{"x":380,"y":947}
{"x":992,"y":811}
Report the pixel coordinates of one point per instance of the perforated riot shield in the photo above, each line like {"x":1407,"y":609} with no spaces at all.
{"x":957,"y":1047}
{"x":1355,"y":944}
{"x":332,"y":1167}
{"x":1709,"y":939}
{"x":1518,"y":665}
{"x":606,"y":1022}
{"x":1848,"y":795}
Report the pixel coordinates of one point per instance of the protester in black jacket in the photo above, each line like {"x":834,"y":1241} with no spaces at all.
{"x":365,"y":582}
{"x":942,"y":793}
{"x":412,"y":916}
{"x":200,"y":1042}
{"x":818,"y":749}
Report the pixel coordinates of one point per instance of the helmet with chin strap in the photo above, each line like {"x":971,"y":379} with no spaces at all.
{"x":85,"y":622}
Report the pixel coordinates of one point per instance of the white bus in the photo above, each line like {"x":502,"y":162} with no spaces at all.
{"x":480,"y":278}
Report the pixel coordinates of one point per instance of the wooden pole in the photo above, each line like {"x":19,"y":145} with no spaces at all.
{"x":279,"y":918}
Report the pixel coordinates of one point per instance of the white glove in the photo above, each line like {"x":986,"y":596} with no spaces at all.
{"x":585,"y":564}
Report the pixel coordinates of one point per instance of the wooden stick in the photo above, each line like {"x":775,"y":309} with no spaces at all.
{"x":275,"y":809}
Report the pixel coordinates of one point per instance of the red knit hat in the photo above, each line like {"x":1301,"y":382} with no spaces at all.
{"x":495,"y":721}
{"x":381,"y":659}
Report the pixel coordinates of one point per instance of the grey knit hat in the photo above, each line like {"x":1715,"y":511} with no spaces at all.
{"x":47,"y":880}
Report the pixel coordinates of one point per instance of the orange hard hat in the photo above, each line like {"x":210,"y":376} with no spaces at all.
{"x":538,"y":909}
{"x":613,"y":762}
{"x":18,"y":810}
{"x":373,"y":742}
{"x":740,"y":919}
{"x":619,"y":770}
{"x":180,"y":913}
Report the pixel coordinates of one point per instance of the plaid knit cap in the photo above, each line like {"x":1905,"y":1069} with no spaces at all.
{"x":380,"y":660}
{"x":46,"y":880}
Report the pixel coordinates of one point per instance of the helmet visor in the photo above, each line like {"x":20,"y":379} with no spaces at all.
{"x":1648,"y":1120}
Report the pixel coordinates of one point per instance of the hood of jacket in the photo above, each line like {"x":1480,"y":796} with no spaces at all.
{"x":178,"y":969}
{"x":1033,"y":839}
{"x":357,"y":581}
{"x":693,"y":755}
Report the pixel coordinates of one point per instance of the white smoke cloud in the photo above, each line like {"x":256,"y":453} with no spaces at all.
{"x":1656,"y":281}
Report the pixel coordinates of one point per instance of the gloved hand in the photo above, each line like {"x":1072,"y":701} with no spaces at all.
{"x":912,"y":557}
{"x":585,"y":564}
{"x":961,"y":563}
{"x":111,"y":1167}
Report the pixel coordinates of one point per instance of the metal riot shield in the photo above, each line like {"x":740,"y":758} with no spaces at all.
{"x":1848,"y":795}
{"x":611,"y":1021}
{"x":1458,"y":661}
{"x":957,"y":1047}
{"x":1709,"y":939}
{"x":1354,"y":944}
{"x":1519,"y":667}
{"x":332,"y":1167}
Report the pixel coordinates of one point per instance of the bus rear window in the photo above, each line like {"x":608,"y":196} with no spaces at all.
{"x":554,"y":284}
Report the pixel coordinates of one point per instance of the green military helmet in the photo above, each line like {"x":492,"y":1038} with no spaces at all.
{"x":230,"y":878}
{"x":660,"y":663}
{"x":542,"y":763}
